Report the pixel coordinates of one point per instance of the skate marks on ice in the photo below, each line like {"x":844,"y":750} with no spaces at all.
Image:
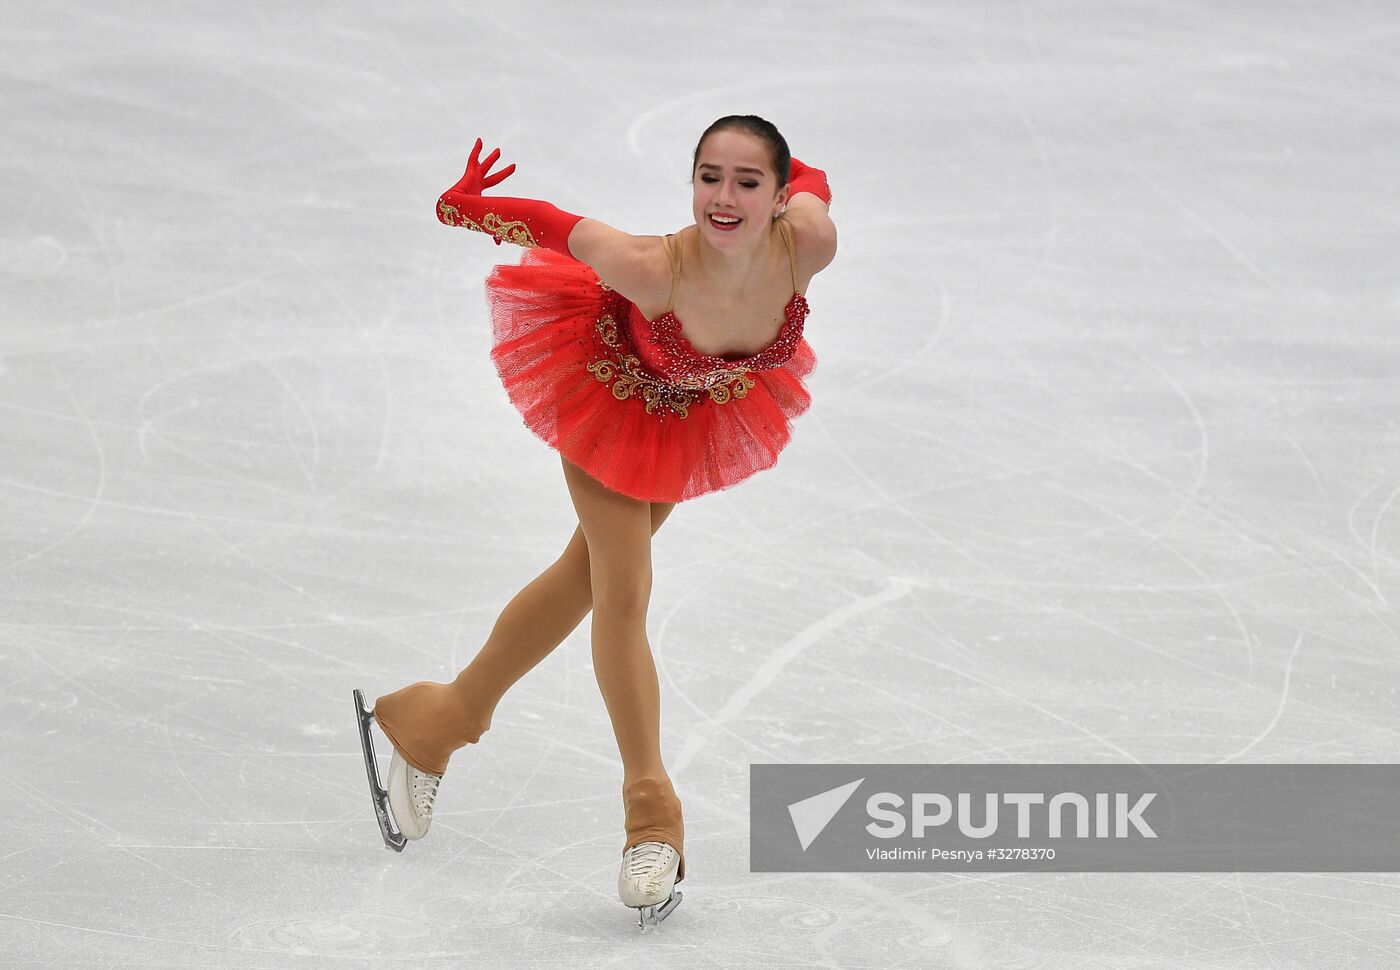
{"x":772,"y":668}
{"x":1107,"y":366}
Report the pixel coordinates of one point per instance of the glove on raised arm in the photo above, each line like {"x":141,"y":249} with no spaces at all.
{"x":804,"y":178}
{"x":524,"y":222}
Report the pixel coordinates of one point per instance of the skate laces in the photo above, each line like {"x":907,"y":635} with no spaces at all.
{"x":425,"y":787}
{"x":647,"y":859}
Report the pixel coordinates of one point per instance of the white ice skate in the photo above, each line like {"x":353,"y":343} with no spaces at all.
{"x":411,"y":796}
{"x":405,"y":808}
{"x":647,"y":881}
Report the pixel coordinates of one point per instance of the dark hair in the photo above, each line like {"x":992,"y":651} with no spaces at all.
{"x":760,"y":129}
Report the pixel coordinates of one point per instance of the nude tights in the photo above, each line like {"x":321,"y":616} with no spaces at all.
{"x":606,"y":569}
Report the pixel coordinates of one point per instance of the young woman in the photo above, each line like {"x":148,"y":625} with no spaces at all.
{"x":645,"y":411}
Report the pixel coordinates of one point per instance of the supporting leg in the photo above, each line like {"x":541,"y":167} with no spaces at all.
{"x":619,"y":550}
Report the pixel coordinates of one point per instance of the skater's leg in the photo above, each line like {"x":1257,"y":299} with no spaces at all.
{"x":536,"y":621}
{"x":427,"y":721}
{"x":619,"y":554}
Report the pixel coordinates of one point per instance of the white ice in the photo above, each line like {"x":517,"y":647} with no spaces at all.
{"x":1103,"y":465}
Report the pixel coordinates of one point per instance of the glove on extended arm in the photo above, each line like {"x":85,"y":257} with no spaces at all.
{"x":524,"y":222}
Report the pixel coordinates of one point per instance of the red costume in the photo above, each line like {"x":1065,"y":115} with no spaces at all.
{"x":627,"y":399}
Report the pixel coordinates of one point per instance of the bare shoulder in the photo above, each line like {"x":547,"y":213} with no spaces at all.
{"x":635,"y":266}
{"x":813,"y":233}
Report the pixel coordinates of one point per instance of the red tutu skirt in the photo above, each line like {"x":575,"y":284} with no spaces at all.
{"x":579,"y":362}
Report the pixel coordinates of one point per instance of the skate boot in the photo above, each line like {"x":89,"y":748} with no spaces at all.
{"x":429,"y":721}
{"x":653,"y":858}
{"x":647,"y":881}
{"x":411,"y":796}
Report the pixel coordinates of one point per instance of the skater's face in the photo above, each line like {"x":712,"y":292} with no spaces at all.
{"x":734,"y":178}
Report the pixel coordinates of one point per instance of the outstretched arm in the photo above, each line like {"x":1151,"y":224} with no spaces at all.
{"x":809,"y":201}
{"x":524,"y":222}
{"x":619,"y":259}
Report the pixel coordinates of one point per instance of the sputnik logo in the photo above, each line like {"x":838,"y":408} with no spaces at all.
{"x":811,"y":815}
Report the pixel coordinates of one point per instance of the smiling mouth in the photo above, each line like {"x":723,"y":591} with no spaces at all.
{"x":724,"y":226}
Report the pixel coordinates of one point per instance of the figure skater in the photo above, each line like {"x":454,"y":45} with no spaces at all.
{"x":645,"y":411}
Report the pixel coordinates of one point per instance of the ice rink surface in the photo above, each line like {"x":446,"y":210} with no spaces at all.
{"x":1103,"y":465}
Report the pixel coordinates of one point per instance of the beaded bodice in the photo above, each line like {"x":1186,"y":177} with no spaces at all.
{"x":652,"y":360}
{"x":672,"y":355}
{"x":666,"y":351}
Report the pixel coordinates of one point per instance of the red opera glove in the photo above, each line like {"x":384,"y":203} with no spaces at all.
{"x":524,"y":222}
{"x":804,"y":178}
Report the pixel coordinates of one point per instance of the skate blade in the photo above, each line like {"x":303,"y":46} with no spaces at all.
{"x":649,"y":916}
{"x":393,"y":838}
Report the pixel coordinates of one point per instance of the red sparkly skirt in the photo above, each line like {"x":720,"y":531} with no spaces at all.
{"x":574,"y":358}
